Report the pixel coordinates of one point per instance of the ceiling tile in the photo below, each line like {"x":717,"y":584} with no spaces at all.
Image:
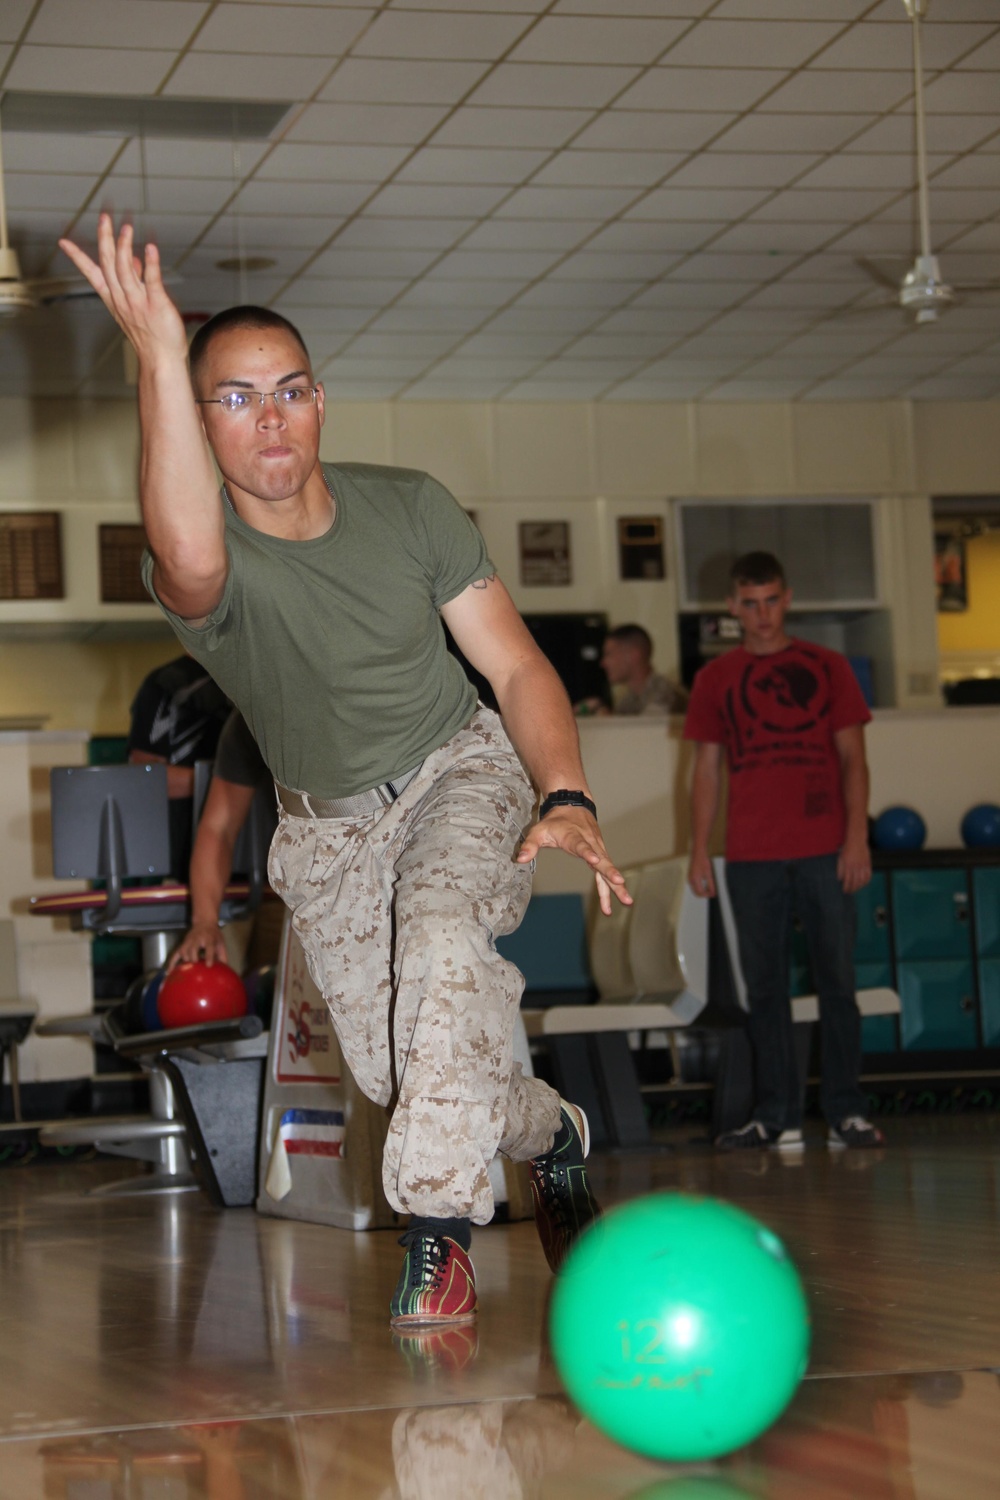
{"x":508,"y":7}
{"x":609,"y":168}
{"x":116,"y":23}
{"x":565,"y":85}
{"x":430,"y":389}
{"x":763,"y":237}
{"x":983,"y":237}
{"x":709,"y":88}
{"x":817,"y":91}
{"x":538,"y":389}
{"x":323,"y":164}
{"x":634,"y":346}
{"x":51,"y":190}
{"x":87,"y":70}
{"x":734,"y":268}
{"x":447,"y":164}
{"x":896,"y":133}
{"x":749,"y":389}
{"x":867,"y":171}
{"x":165,"y":194}
{"x":720,"y":169}
{"x":771,"y":132}
{"x":985,"y":56}
{"x":367,"y":124}
{"x":872,"y":45}
{"x":460,"y":294}
{"x":961,"y":93}
{"x":464,"y":264}
{"x":247,"y":77}
{"x":363,"y":80}
{"x":686,"y":9}
{"x":425,"y":201}
{"x":323,"y":322}
{"x":350,"y":367}
{"x":326,"y":200}
{"x":790,"y":10}
{"x":591,"y":265}
{"x":345,"y":291}
{"x":697,"y":203}
{"x":423,"y":346}
{"x":30,"y":152}
{"x":511,"y":127}
{"x":530,"y":234}
{"x":231,"y":160}
{"x":631,"y":234}
{"x":605,"y":39}
{"x":443,"y":34}
{"x":948,"y":206}
{"x":565,"y":203}
{"x":980,"y":170}
{"x":808,"y":206}
{"x":758,"y":43}
{"x":13,"y":15}
{"x":650,"y":130}
{"x":369,"y":232}
{"x":314,"y":30}
{"x":261,"y":232}
{"x":488,"y":343}
{"x":597,"y":294}
{"x":671,"y":322}
{"x":203,"y":261}
{"x":705,"y":294}
{"x":342,"y":260}
{"x":814,"y":294}
{"x":545,"y":319}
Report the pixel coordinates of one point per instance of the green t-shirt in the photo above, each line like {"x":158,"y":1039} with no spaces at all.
{"x":332,"y":649}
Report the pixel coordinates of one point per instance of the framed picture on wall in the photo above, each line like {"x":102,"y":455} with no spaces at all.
{"x":949,"y":572}
{"x":544,"y":554}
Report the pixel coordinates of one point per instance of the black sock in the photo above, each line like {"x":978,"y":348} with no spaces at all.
{"x":459,"y":1230}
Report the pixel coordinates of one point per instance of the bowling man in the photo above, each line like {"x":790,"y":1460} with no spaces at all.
{"x":314,"y":595}
{"x":790,"y":718}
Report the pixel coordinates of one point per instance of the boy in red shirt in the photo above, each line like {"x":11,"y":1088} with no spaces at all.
{"x":790,"y":717}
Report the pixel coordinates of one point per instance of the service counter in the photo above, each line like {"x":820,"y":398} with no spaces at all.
{"x":939,"y":761}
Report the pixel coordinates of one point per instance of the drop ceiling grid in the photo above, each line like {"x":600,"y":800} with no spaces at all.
{"x":580,"y":292}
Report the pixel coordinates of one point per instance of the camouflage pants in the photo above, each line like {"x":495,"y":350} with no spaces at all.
{"x":397,"y":913}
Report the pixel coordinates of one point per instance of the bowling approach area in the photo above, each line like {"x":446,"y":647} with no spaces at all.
{"x":156,"y":1348}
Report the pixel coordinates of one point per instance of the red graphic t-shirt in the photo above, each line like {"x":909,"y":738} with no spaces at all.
{"x":776,"y":715}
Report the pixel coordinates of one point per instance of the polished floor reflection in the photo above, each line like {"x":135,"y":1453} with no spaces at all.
{"x":155,"y":1348}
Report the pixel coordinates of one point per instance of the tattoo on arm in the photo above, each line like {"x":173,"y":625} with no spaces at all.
{"x":482,"y":583}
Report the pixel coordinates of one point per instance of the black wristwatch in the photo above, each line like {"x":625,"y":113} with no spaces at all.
{"x":563,"y":798}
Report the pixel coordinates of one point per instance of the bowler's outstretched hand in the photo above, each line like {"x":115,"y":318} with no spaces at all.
{"x":573,"y":830}
{"x":132,"y":290}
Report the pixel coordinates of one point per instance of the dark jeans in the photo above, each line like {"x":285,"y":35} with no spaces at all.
{"x":765,"y":895}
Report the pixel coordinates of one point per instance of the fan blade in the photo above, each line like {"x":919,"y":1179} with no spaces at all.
{"x":975,"y":286}
{"x":875,"y":271}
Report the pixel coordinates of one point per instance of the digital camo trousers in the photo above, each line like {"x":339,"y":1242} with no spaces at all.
{"x":397,"y":913}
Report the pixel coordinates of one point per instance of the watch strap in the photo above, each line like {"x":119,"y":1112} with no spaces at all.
{"x":566,"y":798}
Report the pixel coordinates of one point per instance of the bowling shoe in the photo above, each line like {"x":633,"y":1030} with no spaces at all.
{"x":437,"y":1284}
{"x":855,"y":1132}
{"x":564,"y":1204}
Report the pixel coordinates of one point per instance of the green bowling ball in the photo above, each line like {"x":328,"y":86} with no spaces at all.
{"x":680,"y":1327}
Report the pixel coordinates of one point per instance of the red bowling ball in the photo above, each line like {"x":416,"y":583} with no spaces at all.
{"x":196,"y":992}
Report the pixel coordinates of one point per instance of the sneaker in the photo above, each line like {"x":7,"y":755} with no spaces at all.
{"x":753,"y":1136}
{"x":856,"y":1132}
{"x":564,"y":1204}
{"x":790,"y":1141}
{"x":436,"y":1285}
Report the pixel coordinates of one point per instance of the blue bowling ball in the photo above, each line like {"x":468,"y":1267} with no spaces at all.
{"x":981,"y":826}
{"x":147,"y":1007}
{"x":899,"y":828}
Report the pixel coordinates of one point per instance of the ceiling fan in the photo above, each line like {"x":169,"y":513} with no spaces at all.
{"x":20,"y":293}
{"x":923,"y":291}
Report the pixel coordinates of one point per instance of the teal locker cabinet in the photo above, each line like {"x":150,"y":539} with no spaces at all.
{"x":934,"y":955}
{"x":873,"y":961}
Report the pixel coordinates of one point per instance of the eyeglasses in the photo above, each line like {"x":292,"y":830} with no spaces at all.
{"x":238,"y":403}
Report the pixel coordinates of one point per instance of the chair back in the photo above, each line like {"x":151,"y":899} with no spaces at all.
{"x":110,"y":823}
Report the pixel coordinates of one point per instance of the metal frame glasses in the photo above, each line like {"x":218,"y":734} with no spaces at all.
{"x":239,"y":403}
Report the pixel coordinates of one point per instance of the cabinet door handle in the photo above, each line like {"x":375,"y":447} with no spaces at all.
{"x":967,"y":1003}
{"x":961,"y":912}
{"x":880,"y":916}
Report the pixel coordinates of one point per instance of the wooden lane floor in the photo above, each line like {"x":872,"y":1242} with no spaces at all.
{"x":157,"y":1348}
